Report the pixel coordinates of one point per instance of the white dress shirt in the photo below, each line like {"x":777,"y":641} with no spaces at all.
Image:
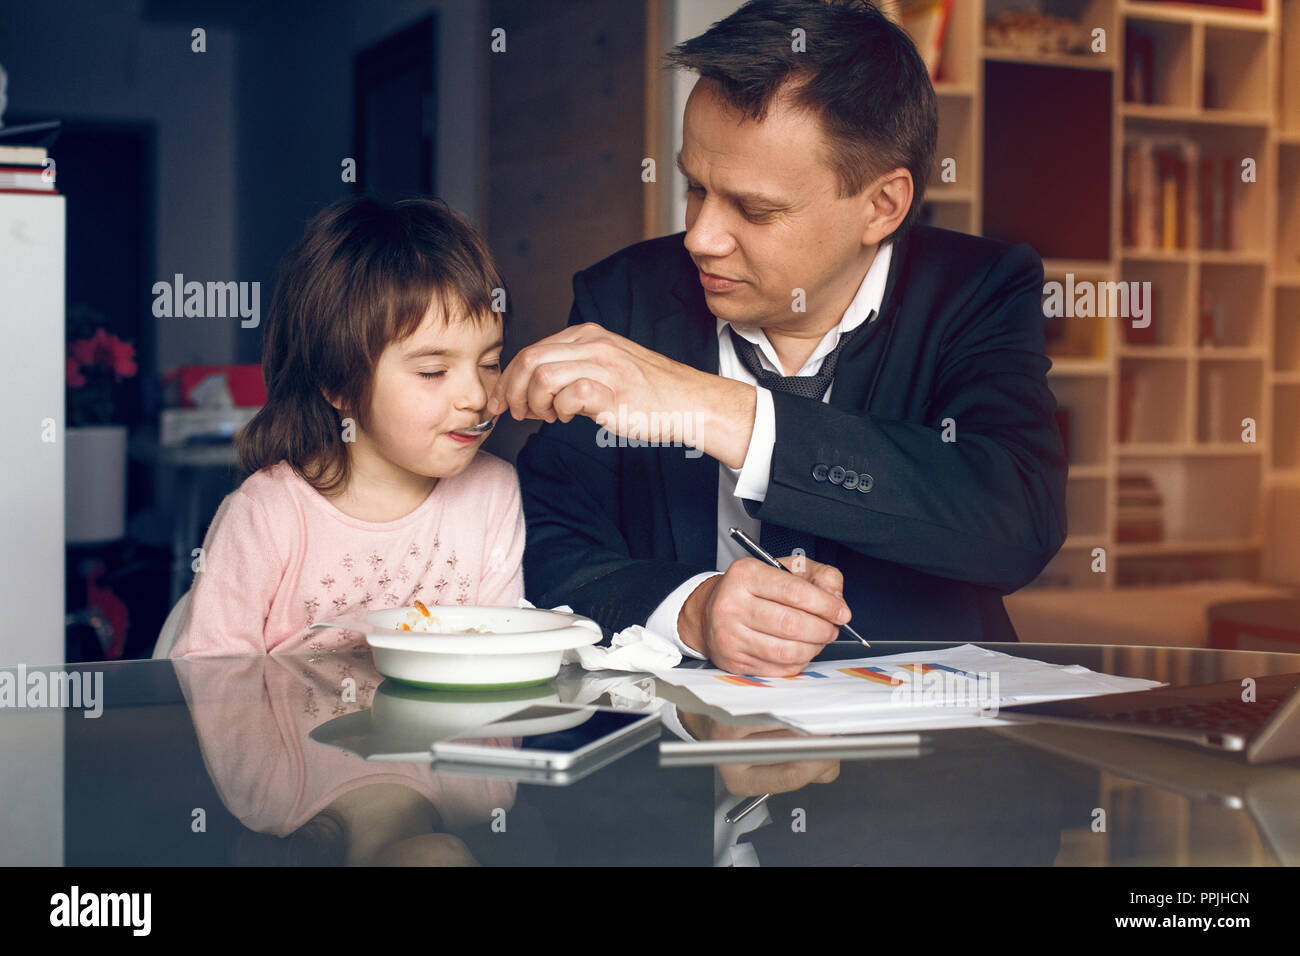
{"x":728,"y":850}
{"x":750,"y":480}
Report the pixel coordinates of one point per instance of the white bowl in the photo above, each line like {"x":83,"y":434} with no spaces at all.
{"x":524,"y":646}
{"x":403,"y":720}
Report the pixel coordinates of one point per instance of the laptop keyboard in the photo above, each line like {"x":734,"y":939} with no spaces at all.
{"x":1224,"y":715}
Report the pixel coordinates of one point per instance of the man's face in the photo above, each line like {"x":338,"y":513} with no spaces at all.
{"x":426,"y":387}
{"x":763,"y":212}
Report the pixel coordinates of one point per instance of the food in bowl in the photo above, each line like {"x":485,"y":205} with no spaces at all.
{"x":422,"y":621}
{"x":478,"y":647}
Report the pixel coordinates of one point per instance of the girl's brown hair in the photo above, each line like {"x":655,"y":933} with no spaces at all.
{"x":363,"y":275}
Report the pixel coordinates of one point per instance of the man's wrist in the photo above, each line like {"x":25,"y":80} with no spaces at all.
{"x":692,"y":619}
{"x":725,"y":421}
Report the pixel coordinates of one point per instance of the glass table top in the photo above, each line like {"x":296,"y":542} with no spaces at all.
{"x":281,"y":760}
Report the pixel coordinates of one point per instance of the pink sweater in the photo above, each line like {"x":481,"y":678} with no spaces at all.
{"x":259,"y":722}
{"x":279,"y":556}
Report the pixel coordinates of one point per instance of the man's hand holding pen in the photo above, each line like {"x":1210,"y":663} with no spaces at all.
{"x":759,"y":779}
{"x":755,"y":619}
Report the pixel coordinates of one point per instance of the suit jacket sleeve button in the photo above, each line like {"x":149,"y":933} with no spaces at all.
{"x":819,"y":471}
{"x":836,"y":475}
{"x":865,"y":483}
{"x":850,"y":480}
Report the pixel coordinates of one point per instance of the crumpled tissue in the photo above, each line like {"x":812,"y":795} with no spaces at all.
{"x":631,"y":649}
{"x":625,"y":693}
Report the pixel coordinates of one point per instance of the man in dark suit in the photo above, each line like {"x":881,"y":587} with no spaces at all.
{"x":864,"y":394}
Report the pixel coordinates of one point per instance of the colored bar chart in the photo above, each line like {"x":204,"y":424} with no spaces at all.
{"x":872,"y":674}
{"x":749,"y":681}
{"x":923,"y":668}
{"x":876,"y":675}
{"x":742,"y":681}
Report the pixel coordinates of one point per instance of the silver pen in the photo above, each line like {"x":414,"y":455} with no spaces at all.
{"x":753,"y":548}
{"x":744,"y":808}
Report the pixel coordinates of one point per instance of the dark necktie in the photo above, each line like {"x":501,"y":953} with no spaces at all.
{"x":775,"y":539}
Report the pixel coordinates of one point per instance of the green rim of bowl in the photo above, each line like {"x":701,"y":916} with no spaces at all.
{"x":482,"y":693}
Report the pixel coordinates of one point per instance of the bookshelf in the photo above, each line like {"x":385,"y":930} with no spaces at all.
{"x":1214,"y":85}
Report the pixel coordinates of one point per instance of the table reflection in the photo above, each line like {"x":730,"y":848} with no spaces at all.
{"x":322,"y":761}
{"x":304,"y":803}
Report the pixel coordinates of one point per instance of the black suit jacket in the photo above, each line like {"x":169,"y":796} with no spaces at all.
{"x":945,"y":530}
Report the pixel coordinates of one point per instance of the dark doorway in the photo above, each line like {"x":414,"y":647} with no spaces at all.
{"x":106,"y":170}
{"x":396,"y":114}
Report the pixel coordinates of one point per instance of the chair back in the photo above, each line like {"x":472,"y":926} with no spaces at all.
{"x":1281,"y":560}
{"x":172,"y":627}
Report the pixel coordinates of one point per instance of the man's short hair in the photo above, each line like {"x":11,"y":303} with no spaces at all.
{"x":859,"y":73}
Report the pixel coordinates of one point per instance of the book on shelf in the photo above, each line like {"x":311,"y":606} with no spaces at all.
{"x":33,"y":156}
{"x":25,"y":165}
{"x":1139,"y":389}
{"x":26,"y":179}
{"x":1150,"y":333}
{"x":1175,"y":199}
{"x":926,"y":21}
{"x":1214,"y":424}
{"x":23,"y":169}
{"x":1213,"y":324}
{"x":1217,"y":179}
{"x":1130,"y":208}
{"x":1151,"y":189}
{"x":1172,"y":177}
{"x":1140,"y":509}
{"x":1139,"y":62}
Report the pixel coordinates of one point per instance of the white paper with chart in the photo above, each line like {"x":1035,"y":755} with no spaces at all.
{"x":945,"y":687}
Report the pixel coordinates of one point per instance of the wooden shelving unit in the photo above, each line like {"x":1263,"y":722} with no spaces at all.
{"x":1227,"y":81}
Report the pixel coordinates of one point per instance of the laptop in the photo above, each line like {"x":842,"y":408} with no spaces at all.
{"x":1212,"y":715}
{"x":1267,"y":795}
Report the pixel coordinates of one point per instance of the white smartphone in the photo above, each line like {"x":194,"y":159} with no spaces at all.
{"x":550,"y":737}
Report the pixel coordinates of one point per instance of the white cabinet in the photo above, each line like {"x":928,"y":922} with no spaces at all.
{"x":32,"y":374}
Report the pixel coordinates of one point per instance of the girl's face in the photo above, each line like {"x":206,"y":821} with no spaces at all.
{"x":427,"y":388}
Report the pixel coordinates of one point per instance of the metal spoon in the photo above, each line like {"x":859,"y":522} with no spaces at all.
{"x":480,"y":428}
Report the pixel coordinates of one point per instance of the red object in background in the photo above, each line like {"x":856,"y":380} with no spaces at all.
{"x":245,"y":382}
{"x":1147,"y":335}
{"x":101,"y":349}
{"x":1255,"y":6}
{"x":1024,"y":127}
{"x":111,"y":607}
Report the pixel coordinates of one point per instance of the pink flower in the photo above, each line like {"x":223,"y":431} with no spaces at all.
{"x":75,"y":378}
{"x":83,"y":351}
{"x":105,"y":350}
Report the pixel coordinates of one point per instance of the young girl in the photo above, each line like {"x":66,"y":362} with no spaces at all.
{"x":367,"y":490}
